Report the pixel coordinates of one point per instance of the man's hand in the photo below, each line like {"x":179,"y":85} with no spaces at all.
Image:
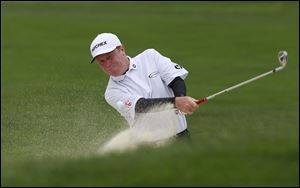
{"x":186,"y":104}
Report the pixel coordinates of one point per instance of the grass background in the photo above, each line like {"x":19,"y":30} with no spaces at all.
{"x":54,"y":116}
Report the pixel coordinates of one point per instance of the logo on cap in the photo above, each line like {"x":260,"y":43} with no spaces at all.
{"x":99,"y":44}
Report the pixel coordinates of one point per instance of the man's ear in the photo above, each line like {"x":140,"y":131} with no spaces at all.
{"x":122,"y":48}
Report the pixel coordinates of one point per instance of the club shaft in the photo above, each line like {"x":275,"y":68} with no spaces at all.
{"x":238,"y":85}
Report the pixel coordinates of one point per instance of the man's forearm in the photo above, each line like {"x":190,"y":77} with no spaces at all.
{"x":143,"y":105}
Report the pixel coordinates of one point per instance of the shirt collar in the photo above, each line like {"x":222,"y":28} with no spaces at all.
{"x":132,"y":66}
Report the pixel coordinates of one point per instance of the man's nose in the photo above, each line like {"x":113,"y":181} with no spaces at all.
{"x":107,"y":63}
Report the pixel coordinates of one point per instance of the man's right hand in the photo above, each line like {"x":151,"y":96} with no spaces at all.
{"x":186,"y":104}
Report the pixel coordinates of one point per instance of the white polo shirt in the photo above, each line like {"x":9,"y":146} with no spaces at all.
{"x":148,"y":76}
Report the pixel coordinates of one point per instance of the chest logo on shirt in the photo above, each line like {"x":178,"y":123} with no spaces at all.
{"x":153,"y":74}
{"x":178,"y":67}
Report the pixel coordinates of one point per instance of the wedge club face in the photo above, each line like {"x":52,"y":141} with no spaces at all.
{"x":283,"y":58}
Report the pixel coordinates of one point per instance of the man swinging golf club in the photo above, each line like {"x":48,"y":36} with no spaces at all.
{"x":149,"y":79}
{"x":137,"y":84}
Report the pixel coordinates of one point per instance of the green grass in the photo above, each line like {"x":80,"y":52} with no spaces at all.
{"x":54,"y":117}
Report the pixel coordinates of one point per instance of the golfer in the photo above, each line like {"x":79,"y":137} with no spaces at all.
{"x":137,"y":84}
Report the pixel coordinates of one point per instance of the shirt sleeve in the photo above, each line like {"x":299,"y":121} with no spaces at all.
{"x":123,"y":102}
{"x":168,"y":69}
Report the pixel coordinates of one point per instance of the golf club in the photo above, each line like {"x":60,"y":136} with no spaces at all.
{"x":283,"y":59}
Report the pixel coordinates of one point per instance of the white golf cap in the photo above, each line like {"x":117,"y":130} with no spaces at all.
{"x":104,"y":43}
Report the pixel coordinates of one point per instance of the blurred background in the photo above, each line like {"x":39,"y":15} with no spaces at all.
{"x":54,"y":116}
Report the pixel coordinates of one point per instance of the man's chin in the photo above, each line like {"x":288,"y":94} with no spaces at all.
{"x":114,"y":74}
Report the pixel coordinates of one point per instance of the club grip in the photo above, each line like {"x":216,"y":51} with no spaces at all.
{"x":201,"y":101}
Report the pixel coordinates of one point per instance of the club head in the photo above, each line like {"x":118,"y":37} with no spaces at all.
{"x":283,"y":58}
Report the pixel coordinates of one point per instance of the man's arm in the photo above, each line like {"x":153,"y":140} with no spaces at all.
{"x":179,"y":89}
{"x":182,"y":102}
{"x":143,"y":105}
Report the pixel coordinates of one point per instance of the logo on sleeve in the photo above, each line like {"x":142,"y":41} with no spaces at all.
{"x":178,"y":67}
{"x":128,"y":103}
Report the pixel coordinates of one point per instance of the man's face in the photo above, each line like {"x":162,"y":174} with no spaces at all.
{"x":114,"y":63}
